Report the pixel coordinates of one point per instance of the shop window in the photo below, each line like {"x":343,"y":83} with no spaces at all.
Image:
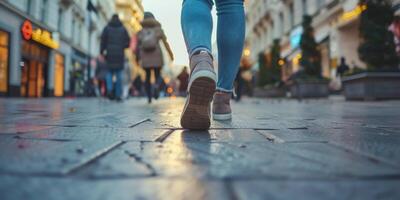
{"x":43,"y":11}
{"x":59,"y":76}
{"x":4,"y":54}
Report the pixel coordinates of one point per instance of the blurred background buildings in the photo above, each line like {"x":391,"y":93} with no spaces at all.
{"x":48,"y":47}
{"x":336,"y":31}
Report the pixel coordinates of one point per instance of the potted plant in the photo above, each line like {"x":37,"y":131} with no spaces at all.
{"x":381,"y":78}
{"x":308,"y":81}
{"x":270,"y":83}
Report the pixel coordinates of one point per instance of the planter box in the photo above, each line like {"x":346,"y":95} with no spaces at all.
{"x":372,"y":86}
{"x":309,"y":89}
{"x":269,"y":92}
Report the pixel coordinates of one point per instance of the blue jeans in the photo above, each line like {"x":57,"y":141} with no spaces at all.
{"x":118,"y":83}
{"x":197,"y":27}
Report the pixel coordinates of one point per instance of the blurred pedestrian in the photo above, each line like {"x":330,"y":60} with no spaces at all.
{"x":239,"y":84}
{"x":395,"y":29}
{"x":343,"y":67}
{"x":100,"y":75}
{"x":197,"y":28}
{"x":138,"y":85}
{"x":183,"y":78}
{"x":126,"y":80}
{"x":114,"y":40}
{"x":149,"y":54}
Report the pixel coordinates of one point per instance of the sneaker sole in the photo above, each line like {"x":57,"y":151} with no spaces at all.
{"x":196,"y":114}
{"x":222,"y":117}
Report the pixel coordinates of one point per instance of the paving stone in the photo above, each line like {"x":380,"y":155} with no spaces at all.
{"x":116,"y":164}
{"x":317,"y":189}
{"x":216,"y":135}
{"x":22,"y":156}
{"x":43,"y":188}
{"x":142,"y":132}
{"x":89,"y":148}
{"x":18,"y":128}
{"x":380,"y":144}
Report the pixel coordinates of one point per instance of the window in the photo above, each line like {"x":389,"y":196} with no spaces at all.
{"x":80,"y":34}
{"x":43,"y":10}
{"x":73,"y":28}
{"x":29,"y":7}
{"x":272,"y":31}
{"x":321,"y":3}
{"x":291,"y":15}
{"x":281,"y":24}
{"x":60,"y":23}
{"x":59,"y":75}
{"x":304,"y":4}
{"x":4,"y":40}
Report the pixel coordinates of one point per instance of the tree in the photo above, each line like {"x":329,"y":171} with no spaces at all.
{"x":270,"y":69}
{"x":263,"y":72}
{"x":275,"y":69}
{"x":311,"y":56}
{"x":377,"y":48}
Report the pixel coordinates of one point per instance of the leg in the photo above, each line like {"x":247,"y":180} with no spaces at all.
{"x":157,"y":86}
{"x":109,"y":82}
{"x":157,"y":75}
{"x":197,"y":27}
{"x":230,"y":40}
{"x":147,"y":84}
{"x":196,"y":22}
{"x":118,"y":84}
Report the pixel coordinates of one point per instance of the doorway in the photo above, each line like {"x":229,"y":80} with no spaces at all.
{"x":33,"y":70}
{"x":4,"y":55}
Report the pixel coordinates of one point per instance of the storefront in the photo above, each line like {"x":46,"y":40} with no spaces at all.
{"x":4,"y":61}
{"x":345,"y":37}
{"x":35,"y":60}
{"x":78,"y":74}
{"x":36,"y":45}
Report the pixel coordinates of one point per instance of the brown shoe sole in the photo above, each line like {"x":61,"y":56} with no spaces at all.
{"x":196,"y":114}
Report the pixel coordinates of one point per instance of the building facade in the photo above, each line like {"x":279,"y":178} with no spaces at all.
{"x":46,"y":45}
{"x":335,"y":23}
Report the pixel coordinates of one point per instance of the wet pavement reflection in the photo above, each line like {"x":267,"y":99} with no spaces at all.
{"x":92,"y":147}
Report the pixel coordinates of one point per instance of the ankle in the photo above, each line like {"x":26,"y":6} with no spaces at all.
{"x":197,"y":52}
{"x":220,"y":92}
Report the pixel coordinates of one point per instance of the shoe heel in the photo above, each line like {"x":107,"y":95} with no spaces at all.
{"x":196,"y":114}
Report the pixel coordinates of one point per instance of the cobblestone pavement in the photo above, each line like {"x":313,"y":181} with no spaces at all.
{"x":272,"y":149}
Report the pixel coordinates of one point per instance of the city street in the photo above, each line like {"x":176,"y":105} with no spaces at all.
{"x":88,"y":148}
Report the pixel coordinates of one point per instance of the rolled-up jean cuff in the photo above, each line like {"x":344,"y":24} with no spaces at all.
{"x":199,"y":49}
{"x":225,"y":90}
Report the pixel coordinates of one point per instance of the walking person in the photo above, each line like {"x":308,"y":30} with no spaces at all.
{"x":183,"y":78}
{"x":343,"y":67}
{"x":197,"y":25}
{"x":100,"y":75}
{"x":114,"y":40}
{"x":149,"y":53}
{"x":239,"y":84}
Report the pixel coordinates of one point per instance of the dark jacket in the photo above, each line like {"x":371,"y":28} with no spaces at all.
{"x":154,"y":58}
{"x":114,"y":40}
